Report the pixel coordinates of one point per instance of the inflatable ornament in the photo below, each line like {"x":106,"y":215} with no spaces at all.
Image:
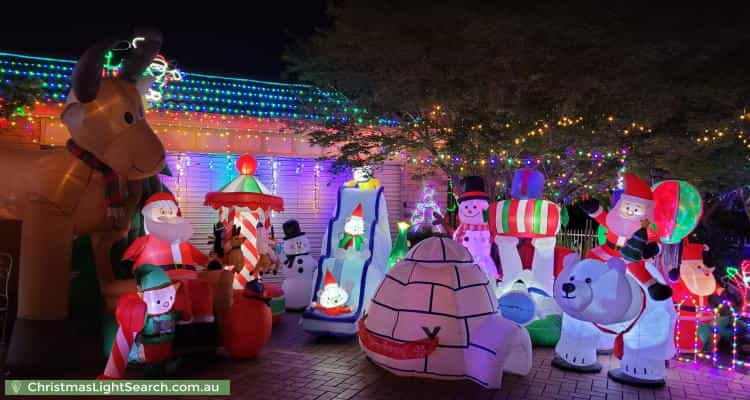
{"x":472,"y":232}
{"x":146,"y":325}
{"x":599,"y":298}
{"x":677,"y":209}
{"x":347,"y":276}
{"x":248,"y":323}
{"x":299,"y":265}
{"x":434,"y":316}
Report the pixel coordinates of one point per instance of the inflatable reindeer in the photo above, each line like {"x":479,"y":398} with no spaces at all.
{"x":90,"y":187}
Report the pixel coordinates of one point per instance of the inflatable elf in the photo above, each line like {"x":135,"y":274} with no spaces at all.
{"x":146,"y":325}
{"x":354,"y":231}
{"x":332,"y":298}
{"x":472,"y":232}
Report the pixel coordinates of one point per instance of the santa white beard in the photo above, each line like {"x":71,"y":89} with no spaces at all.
{"x":177,"y":230}
{"x":622,"y":226}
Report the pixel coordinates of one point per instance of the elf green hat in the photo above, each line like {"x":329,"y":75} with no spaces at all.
{"x":151,"y":277}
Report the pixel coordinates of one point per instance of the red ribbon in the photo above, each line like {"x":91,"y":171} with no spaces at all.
{"x":619,"y":343}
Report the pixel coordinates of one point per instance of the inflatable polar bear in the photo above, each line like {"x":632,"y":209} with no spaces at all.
{"x":603,"y":298}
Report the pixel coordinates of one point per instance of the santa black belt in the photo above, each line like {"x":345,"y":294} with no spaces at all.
{"x":613,"y":246}
{"x":170,"y":267}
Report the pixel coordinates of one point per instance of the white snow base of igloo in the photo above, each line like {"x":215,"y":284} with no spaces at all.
{"x":437,"y":285}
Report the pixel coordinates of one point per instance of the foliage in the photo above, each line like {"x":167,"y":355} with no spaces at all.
{"x":19,"y":95}
{"x":537,"y":81}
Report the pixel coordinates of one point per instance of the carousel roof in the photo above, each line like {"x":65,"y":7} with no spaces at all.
{"x":245,"y":190}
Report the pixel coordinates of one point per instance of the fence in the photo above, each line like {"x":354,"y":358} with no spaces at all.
{"x":578,"y":240}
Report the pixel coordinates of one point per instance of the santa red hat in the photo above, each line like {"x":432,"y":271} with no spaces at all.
{"x":357,"y":213}
{"x":329,"y":279}
{"x":693,"y":251}
{"x":161,"y":199}
{"x":636,"y":190}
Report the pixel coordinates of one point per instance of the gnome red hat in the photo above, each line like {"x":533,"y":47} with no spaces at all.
{"x":329,"y":280}
{"x":161,"y":199}
{"x":636,"y":190}
{"x":357,"y":213}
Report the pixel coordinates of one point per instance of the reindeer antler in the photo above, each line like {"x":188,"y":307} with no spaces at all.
{"x":144,"y":52}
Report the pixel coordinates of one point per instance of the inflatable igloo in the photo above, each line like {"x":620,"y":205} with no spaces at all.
{"x":435,"y":316}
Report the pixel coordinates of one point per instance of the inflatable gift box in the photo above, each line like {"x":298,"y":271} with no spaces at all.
{"x":435,"y":316}
{"x":524,"y":218}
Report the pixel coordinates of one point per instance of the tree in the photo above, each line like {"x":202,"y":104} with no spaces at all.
{"x":18,"y":96}
{"x":589,"y":83}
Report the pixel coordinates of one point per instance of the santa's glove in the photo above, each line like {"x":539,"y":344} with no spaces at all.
{"x":589,"y":206}
{"x":635,"y":246}
{"x":659,"y":292}
{"x":674,"y":274}
{"x":651,"y":250}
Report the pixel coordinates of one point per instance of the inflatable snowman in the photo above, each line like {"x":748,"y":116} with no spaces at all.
{"x":472,"y":232}
{"x":299,"y":267}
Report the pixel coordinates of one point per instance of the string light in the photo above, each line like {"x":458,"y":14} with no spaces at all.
{"x":427,"y":202}
{"x":316,"y":188}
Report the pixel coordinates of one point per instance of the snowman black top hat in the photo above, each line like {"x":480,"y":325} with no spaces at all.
{"x":473,"y":189}
{"x":292,"y":229}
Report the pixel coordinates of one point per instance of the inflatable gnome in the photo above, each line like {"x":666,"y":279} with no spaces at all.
{"x":363,"y":179}
{"x":597,"y":297}
{"x":299,"y":265}
{"x":166,"y":245}
{"x":352,"y":242}
{"x":146,"y":326}
{"x":690,"y":295}
{"x":434,"y":316}
{"x":472,"y":232}
{"x":632,"y":212}
{"x":332,"y":299}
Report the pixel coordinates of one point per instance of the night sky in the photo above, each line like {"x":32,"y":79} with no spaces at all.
{"x":234,"y":42}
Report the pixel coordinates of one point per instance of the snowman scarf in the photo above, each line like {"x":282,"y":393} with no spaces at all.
{"x":463,"y":228}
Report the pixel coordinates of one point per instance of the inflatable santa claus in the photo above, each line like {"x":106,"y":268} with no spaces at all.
{"x":629,"y":219}
{"x":166,"y":245}
{"x":690,"y":295}
{"x":472,"y":232}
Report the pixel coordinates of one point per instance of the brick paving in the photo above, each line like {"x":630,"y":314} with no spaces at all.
{"x":298,"y":366}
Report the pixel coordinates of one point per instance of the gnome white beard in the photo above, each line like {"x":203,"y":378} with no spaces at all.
{"x":176,"y":230}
